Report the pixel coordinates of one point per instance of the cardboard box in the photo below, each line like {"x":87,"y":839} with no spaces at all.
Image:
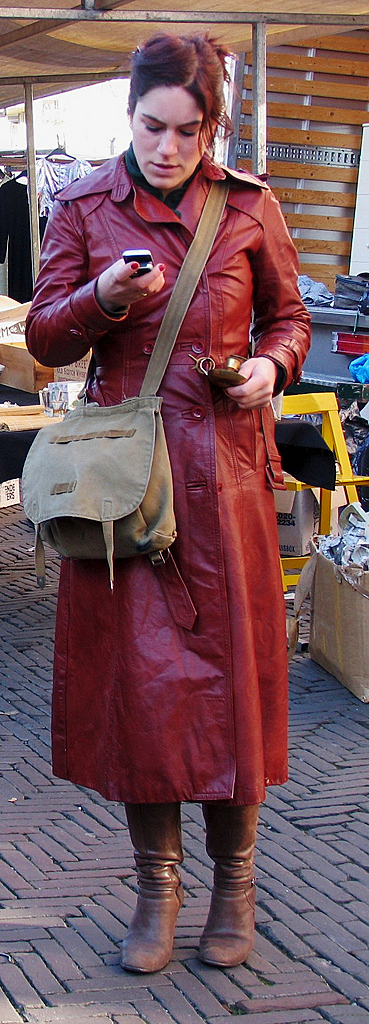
{"x":9,"y":493}
{"x":296,"y":518}
{"x":339,"y":625}
{"x":74,"y":372}
{"x":19,"y":369}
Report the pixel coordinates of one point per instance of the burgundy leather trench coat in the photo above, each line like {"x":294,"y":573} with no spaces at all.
{"x":144,"y":709}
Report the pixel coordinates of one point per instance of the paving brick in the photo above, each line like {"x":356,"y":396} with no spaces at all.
{"x":17,"y":988}
{"x":324,"y":885}
{"x":69,"y":887}
{"x":148,"y":1010}
{"x":276,"y":1002}
{"x":272,"y":1017}
{"x":106,"y":922}
{"x":79,"y":950}
{"x":350,"y":942}
{"x":300,"y":924}
{"x":347,"y":1015}
{"x":198,"y":995}
{"x":8,"y":1015}
{"x":176,"y":1004}
{"x":347,"y":984}
{"x":93,"y":935}
{"x":218,"y":982}
{"x":76,"y":1015}
{"x":38,"y":974}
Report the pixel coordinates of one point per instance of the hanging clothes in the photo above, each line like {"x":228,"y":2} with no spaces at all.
{"x":53,"y":175}
{"x":15,"y":239}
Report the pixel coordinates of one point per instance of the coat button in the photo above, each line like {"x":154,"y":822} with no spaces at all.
{"x":147,"y":349}
{"x":198,"y":348}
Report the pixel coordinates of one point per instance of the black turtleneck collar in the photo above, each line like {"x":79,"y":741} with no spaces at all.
{"x":172,"y":199}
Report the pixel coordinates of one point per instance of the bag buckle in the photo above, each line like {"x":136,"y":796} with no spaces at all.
{"x":159,"y":557}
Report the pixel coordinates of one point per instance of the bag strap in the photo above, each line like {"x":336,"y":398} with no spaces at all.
{"x":190,"y":272}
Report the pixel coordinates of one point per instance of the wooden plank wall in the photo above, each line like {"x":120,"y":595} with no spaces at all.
{"x":318,"y":99}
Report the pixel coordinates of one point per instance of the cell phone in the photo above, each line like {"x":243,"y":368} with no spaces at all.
{"x":141,"y":256}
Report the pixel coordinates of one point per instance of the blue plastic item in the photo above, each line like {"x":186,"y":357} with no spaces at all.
{"x":359,"y":368}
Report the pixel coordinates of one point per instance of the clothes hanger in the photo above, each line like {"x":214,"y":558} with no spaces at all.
{"x":59,"y":154}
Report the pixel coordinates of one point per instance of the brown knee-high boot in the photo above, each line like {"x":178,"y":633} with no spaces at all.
{"x":155,"y":831}
{"x":228,"y":935}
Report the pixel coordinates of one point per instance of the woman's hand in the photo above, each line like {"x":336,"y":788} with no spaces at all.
{"x":117,"y":287}
{"x":261,"y":375}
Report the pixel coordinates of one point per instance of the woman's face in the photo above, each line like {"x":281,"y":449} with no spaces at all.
{"x":166,"y":139}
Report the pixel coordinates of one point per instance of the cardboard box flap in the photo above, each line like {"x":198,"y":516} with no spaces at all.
{"x":339,"y":620}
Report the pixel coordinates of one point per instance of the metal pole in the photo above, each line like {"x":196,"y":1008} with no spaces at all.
{"x":236,"y":110}
{"x":259,"y":139}
{"x":32,"y":189}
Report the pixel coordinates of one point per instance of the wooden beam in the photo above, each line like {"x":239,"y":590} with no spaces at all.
{"x":329,"y":247}
{"x":299,"y":112}
{"x":301,"y":137}
{"x":302,"y":87}
{"x":355,"y":43}
{"x":199,"y":17}
{"x":323,"y":65}
{"x":319,"y":222}
{"x":314,"y":198}
{"x":309,"y":172}
{"x":326,"y":272}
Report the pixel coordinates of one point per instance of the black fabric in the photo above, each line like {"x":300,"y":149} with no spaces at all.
{"x":14,"y":447}
{"x":305,"y":454}
{"x":15,"y":237}
{"x":14,"y":444}
{"x":17,"y":397}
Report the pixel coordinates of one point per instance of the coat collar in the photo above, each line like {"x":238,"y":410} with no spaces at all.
{"x":112,"y":176}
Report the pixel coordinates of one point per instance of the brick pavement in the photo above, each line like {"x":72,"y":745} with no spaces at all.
{"x":67,"y":884}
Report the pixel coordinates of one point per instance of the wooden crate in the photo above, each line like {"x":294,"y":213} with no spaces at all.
{"x":21,"y":370}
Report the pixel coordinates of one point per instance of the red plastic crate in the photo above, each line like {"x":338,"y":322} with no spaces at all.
{"x":351,"y":344}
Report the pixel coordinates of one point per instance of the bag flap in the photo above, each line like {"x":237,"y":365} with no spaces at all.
{"x":95,"y":464}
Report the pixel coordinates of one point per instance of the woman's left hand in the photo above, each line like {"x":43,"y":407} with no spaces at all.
{"x":261,"y":375}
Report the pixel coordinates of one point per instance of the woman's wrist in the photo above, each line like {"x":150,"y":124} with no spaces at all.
{"x":114,"y":314}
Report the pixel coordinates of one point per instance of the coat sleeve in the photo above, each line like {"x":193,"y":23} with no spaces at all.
{"x":65,"y":318}
{"x":281,"y":327}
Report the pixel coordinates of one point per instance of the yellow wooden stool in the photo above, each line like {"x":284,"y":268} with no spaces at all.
{"x":325,"y":404}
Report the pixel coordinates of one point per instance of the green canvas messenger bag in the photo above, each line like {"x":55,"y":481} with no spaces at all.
{"x":98,"y":484}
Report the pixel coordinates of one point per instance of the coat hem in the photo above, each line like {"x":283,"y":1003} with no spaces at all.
{"x":257,"y":796}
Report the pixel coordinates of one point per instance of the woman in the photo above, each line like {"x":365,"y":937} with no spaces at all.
{"x":144,"y":710}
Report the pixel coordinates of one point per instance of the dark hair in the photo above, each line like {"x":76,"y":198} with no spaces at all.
{"x":196,"y":63}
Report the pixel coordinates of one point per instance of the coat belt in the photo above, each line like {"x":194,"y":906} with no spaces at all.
{"x":174,"y":588}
